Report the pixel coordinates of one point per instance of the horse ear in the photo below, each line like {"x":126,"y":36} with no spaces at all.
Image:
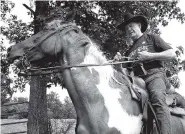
{"x":70,"y":16}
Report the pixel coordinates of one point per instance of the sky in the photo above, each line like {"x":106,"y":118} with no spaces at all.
{"x":173,"y":34}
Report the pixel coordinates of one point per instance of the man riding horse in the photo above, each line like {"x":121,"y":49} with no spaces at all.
{"x":150,"y":50}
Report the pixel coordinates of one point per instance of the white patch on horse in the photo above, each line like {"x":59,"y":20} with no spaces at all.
{"x":118,"y":117}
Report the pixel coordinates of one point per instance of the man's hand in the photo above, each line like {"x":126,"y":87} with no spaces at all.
{"x":119,"y":67}
{"x":144,"y":55}
{"x":117,"y":57}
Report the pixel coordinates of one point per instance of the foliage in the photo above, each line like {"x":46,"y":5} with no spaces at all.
{"x":69,"y":111}
{"x":57,"y":109}
{"x":14,"y":30}
{"x":6,"y":92}
{"x":54,"y":105}
{"x":173,"y":67}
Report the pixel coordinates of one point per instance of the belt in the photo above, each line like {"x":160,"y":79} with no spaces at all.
{"x":141,"y":70}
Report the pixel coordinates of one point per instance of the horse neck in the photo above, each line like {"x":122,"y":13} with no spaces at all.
{"x":93,"y":93}
{"x":105,"y":74}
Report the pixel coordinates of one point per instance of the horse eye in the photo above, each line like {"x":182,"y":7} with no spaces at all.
{"x":85,"y":44}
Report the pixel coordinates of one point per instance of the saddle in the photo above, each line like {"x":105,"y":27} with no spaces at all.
{"x":174,"y":100}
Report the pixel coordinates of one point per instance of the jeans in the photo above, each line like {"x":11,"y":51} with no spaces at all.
{"x":156,"y":86}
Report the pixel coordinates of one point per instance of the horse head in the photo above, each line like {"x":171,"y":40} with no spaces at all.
{"x":45,"y":43}
{"x":48,"y":42}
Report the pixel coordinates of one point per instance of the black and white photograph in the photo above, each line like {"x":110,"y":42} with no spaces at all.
{"x":92,"y":67}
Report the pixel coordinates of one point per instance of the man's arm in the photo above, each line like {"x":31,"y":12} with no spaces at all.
{"x":164,"y":55}
{"x":163,"y":50}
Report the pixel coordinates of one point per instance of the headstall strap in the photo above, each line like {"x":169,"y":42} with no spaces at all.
{"x":63,"y":29}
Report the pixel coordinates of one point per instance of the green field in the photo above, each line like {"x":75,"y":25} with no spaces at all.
{"x":59,"y":126}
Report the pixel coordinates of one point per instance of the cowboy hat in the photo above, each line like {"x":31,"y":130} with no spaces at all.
{"x":131,"y":18}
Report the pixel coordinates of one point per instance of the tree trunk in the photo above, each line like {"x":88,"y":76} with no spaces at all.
{"x":37,"y":114}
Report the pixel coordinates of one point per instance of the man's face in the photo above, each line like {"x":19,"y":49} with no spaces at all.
{"x":133,"y":29}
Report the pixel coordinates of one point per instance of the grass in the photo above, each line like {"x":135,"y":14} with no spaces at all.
{"x":59,"y":126}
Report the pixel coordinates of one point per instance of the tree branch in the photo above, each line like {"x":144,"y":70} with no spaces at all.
{"x":29,"y":9}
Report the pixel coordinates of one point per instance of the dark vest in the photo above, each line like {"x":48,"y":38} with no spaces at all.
{"x":144,"y":43}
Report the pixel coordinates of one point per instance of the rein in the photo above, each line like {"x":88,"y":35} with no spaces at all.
{"x":30,"y":71}
{"x":44,"y":71}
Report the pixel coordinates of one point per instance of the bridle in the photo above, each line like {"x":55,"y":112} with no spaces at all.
{"x":28,"y":70}
{"x":64,"y":28}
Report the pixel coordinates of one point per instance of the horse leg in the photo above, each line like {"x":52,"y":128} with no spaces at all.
{"x":81,"y":129}
{"x":177,"y":126}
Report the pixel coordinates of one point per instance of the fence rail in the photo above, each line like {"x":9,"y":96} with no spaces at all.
{"x":13,"y":113}
{"x":14,"y":103}
{"x":17,"y":132}
{"x":13,"y":123}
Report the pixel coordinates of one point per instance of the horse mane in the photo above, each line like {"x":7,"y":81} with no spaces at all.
{"x":94,"y":50}
{"x":95,"y":56}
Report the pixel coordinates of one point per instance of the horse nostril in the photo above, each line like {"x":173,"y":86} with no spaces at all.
{"x":8,"y":50}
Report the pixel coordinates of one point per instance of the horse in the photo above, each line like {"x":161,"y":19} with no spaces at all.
{"x":100,"y":94}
